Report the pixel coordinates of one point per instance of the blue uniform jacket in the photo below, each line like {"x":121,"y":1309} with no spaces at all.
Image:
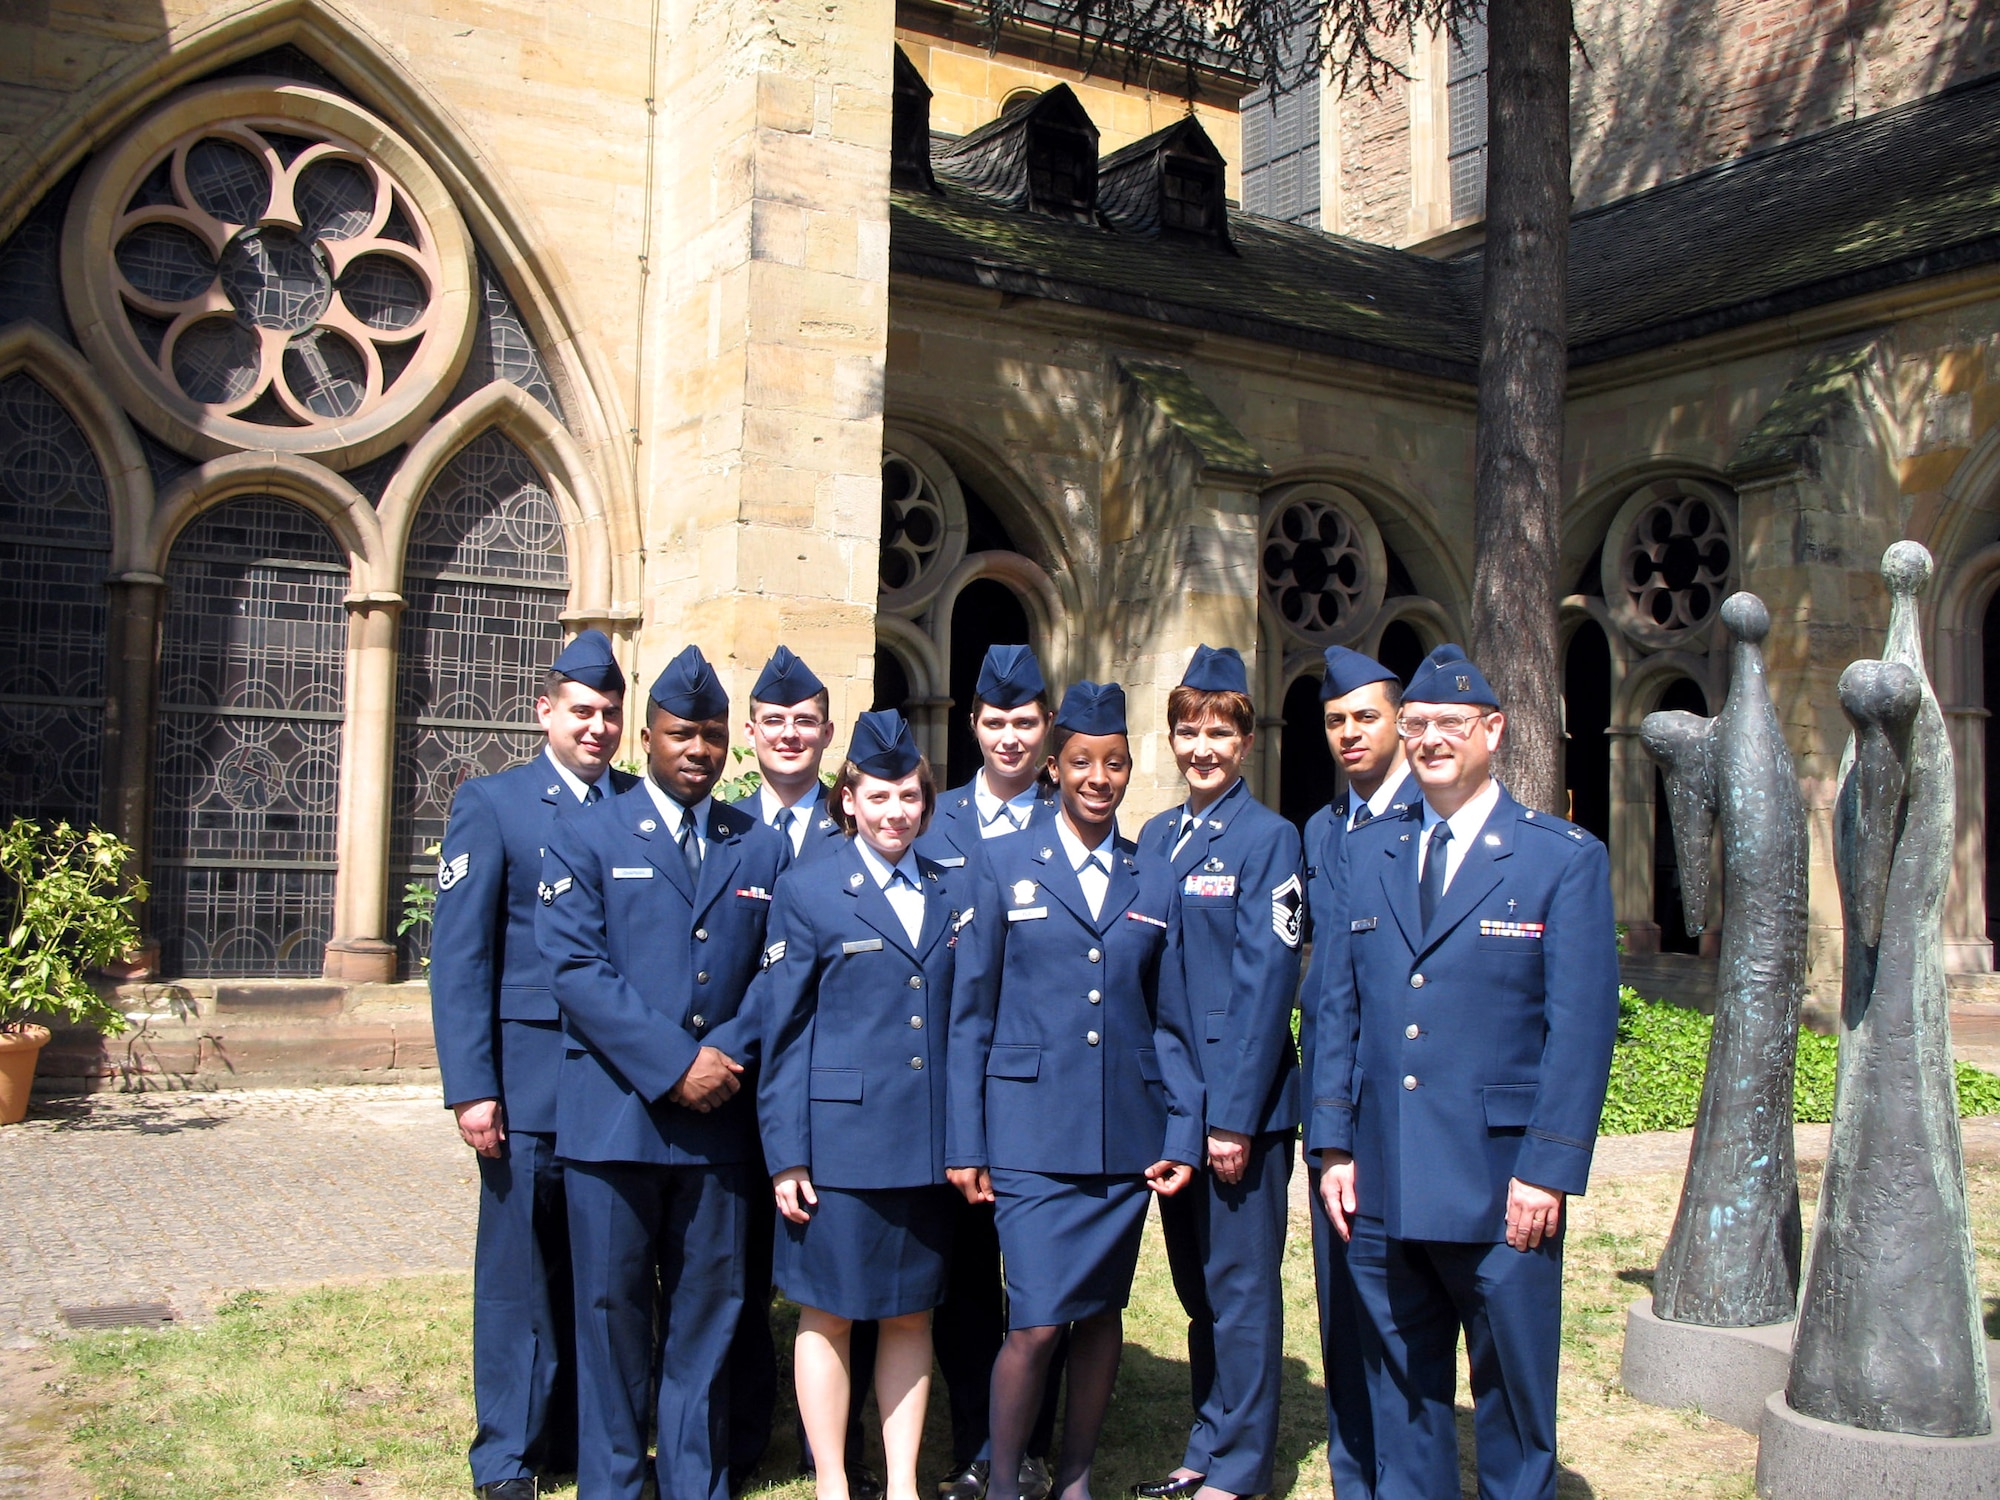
{"x":855,"y":1025}
{"x":1071,"y":1050}
{"x":647,"y":971}
{"x":492,"y":1011}
{"x":1326,"y":834}
{"x":1453,"y":1059}
{"x":823,"y":834}
{"x":1239,"y":904}
{"x":953,"y":839}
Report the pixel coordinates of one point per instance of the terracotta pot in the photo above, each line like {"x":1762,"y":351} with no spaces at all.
{"x":18,"y":1051}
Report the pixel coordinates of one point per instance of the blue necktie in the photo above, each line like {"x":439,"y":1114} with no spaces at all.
{"x":690,"y":847}
{"x":1363,"y":814}
{"x":1430,"y":889}
{"x":593,"y":793}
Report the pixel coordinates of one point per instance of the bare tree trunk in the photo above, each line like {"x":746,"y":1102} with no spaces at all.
{"x":1523,"y":376}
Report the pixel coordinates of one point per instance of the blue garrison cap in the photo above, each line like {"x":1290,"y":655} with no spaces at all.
{"x":1347,"y":670}
{"x":785,"y":680}
{"x":883,"y":745}
{"x":689,"y":689}
{"x":1447,"y":677}
{"x":1092,"y":708}
{"x":1009,"y":677}
{"x":588,"y":660}
{"x":1214,"y":671}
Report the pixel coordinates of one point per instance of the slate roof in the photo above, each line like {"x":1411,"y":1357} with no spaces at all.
{"x":1903,"y":195}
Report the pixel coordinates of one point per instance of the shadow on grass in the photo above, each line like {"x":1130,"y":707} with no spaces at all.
{"x":1638,"y":1276}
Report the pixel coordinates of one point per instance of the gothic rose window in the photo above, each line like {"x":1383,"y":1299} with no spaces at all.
{"x":1674,"y":555}
{"x":1315,"y":567}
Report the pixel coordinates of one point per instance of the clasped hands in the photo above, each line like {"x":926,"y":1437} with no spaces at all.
{"x":710,"y":1082}
{"x":1534,"y":1213}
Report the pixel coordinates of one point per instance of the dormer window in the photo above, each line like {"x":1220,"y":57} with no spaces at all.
{"x":1190,"y":197}
{"x":1062,"y":169}
{"x":910,"y":128}
{"x":1040,"y":154}
{"x":1169,"y":185}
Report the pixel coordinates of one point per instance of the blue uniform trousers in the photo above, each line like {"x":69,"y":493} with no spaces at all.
{"x":1224,"y":1245}
{"x":663,"y":1243}
{"x":753,"y":1356}
{"x":523,"y":1326}
{"x":1417,"y":1294}
{"x":1350,"y":1430}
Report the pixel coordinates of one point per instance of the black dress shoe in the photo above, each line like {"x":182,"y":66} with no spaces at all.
{"x":1037,"y":1483}
{"x":509,"y":1489}
{"x":862,"y":1485}
{"x":1169,"y":1489}
{"x":969,"y":1483}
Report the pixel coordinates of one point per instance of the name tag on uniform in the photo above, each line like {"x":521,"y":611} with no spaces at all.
{"x":631,"y":872}
{"x":1510,"y":929}
{"x":955,"y":862}
{"x":865,"y":945}
{"x":1026,"y":913}
{"x":1363,"y":924}
{"x":1209,"y":885}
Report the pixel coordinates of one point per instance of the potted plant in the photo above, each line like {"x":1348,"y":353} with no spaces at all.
{"x":69,"y":910}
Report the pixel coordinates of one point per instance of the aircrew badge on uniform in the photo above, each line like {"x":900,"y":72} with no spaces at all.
{"x":452,"y":871}
{"x":1215,"y":865}
{"x":1023,"y":892}
{"x":1288,"y":911}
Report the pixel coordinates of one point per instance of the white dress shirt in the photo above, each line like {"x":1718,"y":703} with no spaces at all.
{"x":1192,"y":820}
{"x":1465,"y":826}
{"x":997,"y":817}
{"x":1378,"y":804}
{"x":770,"y":809}
{"x":1092,"y":866}
{"x":673,"y":812}
{"x":570,"y":779}
{"x":906,"y":896}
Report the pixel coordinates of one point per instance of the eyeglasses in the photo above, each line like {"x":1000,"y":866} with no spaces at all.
{"x":1451,"y":726}
{"x":797,"y":723}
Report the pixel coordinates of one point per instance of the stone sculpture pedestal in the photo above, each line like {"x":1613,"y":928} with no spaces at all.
{"x":1726,"y":1373}
{"x":1803,"y":1458}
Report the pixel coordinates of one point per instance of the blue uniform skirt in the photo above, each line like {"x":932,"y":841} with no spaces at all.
{"x":1070,"y":1243}
{"x":867,"y":1253}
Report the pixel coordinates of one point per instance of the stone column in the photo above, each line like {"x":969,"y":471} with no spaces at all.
{"x":131,"y":679}
{"x":360,"y":950}
{"x":1631,"y":846}
{"x":1967,"y":948}
{"x":930,"y":720}
{"x":766,"y":338}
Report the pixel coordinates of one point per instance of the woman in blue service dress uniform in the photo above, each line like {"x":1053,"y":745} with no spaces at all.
{"x":1074,"y":1098}
{"x":856,"y":994}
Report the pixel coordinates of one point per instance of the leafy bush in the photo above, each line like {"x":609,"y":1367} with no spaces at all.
{"x":1662,"y":1055}
{"x":69,"y":911}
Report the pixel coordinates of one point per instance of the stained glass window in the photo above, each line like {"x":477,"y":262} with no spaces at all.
{"x":247,"y":769}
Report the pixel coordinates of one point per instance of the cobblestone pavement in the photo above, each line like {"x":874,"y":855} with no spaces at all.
{"x":184,"y":1198}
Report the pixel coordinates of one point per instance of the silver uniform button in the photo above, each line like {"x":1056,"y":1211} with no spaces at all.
{"x":1409,"y":1080}
{"x":697,"y":1022}
{"x":1093,"y":997}
{"x":1416,"y":981}
{"x":701,"y":934}
{"x":1093,"y":955}
{"x":917,"y":1063}
{"x":702,"y":977}
{"x":1092,"y":1038}
{"x":916,"y":981}
{"x":1410,"y":1031}
{"x":916,"y":1023}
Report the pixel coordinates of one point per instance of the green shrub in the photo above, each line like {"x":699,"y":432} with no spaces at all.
{"x":1661,"y":1057}
{"x":68,"y":909}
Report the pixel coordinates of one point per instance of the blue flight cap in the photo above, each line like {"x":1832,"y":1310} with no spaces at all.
{"x":1450,"y":679}
{"x":588,"y":660}
{"x":1347,"y":670}
{"x":1092,"y":708}
{"x":883,"y":745}
{"x":785,"y":680}
{"x":1009,"y":677}
{"x":1449,"y":651}
{"x":689,"y":689}
{"x":1214,"y":671}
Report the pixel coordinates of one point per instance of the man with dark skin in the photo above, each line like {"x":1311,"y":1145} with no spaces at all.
{"x":653,"y":913}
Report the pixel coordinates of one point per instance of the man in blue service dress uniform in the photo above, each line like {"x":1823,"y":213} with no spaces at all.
{"x":1011,"y":720}
{"x":1239,"y":915}
{"x":1465,"y":1011}
{"x":1358,"y":698}
{"x":789,"y":730}
{"x":499,"y":1043}
{"x":654,"y":905}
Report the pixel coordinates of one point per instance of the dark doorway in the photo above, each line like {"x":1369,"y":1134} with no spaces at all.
{"x":1682,"y":693}
{"x":892,"y":683}
{"x":1989,"y":640}
{"x":1587,"y":715}
{"x":986,"y":613}
{"x":1305,"y":766}
{"x":1401,"y":649}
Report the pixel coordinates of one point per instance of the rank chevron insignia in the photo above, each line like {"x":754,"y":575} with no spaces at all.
{"x":452,"y":871}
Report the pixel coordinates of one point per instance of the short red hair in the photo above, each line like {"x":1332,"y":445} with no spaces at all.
{"x":1186,"y":705}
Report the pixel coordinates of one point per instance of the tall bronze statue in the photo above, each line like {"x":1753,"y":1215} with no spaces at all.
{"x":1732,"y":1260}
{"x":1889,"y":1335}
